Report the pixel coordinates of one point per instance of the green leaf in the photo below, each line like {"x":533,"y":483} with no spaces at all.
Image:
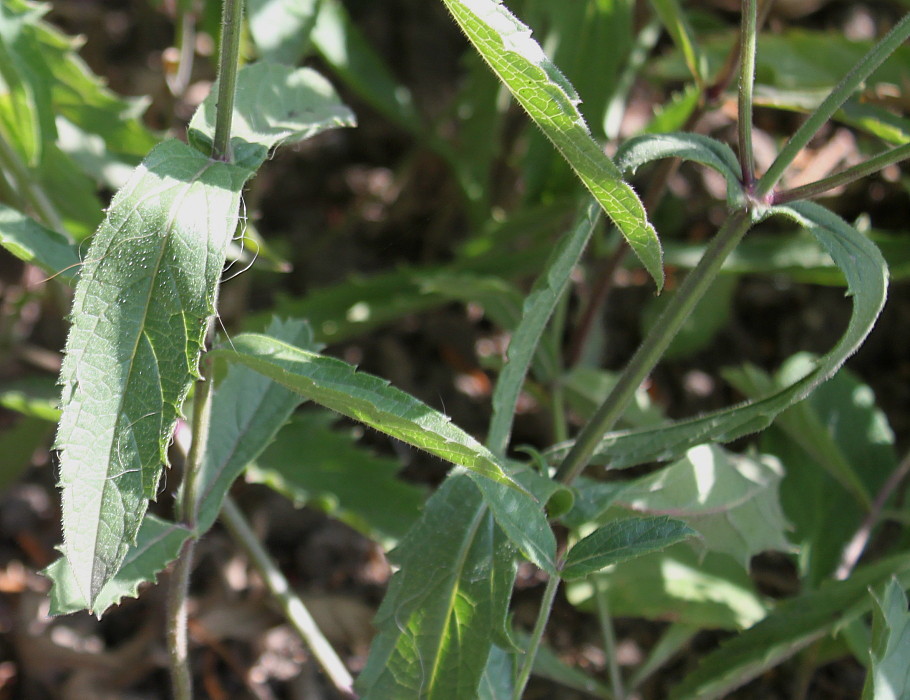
{"x":158,"y":543}
{"x":695,"y":147}
{"x":677,"y":24}
{"x":275,"y":104}
{"x":730,"y":499}
{"x":536,"y":83}
{"x":620,"y":541}
{"x":497,"y":682}
{"x":281,"y":28}
{"x":792,"y":626}
{"x":19,"y":439}
{"x":248,"y":409}
{"x":677,"y":585}
{"x":446,"y":604}
{"x":337,"y":385}
{"x":889,"y":677}
{"x":587,"y":388}
{"x":536,"y":312}
{"x":36,"y":244}
{"x":838,"y":449}
{"x":139,"y":317}
{"x":866,"y":276}
{"x":312,"y":463}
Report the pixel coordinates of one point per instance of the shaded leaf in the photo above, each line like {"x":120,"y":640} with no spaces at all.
{"x":248,"y":409}
{"x":551,"y":101}
{"x":446,"y":604}
{"x":281,"y":28}
{"x":620,"y":541}
{"x":792,"y":626}
{"x":536,"y":312}
{"x":34,"y":243}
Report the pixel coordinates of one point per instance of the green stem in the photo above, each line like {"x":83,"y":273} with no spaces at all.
{"x":178,"y":591}
{"x":654,"y":345}
{"x":291,"y":605}
{"x":856,"y":172}
{"x":228,"y":65}
{"x":606,"y":629}
{"x":872,"y":60}
{"x":543,"y":615}
{"x":748,"y":36}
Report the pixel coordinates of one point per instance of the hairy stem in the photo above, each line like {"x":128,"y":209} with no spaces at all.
{"x":748,"y":37}
{"x":543,"y":615}
{"x":654,"y":345}
{"x":856,"y":172}
{"x":228,"y":59}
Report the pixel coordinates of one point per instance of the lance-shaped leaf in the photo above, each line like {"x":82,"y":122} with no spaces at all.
{"x":794,"y":625}
{"x":695,"y":147}
{"x":447,"y":603}
{"x":538,"y":307}
{"x":366,"y":398}
{"x":889,"y":677}
{"x":551,"y":101}
{"x":866,"y":275}
{"x":620,"y":541}
{"x":139,"y":317}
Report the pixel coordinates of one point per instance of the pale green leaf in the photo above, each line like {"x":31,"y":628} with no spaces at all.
{"x":695,"y":147}
{"x":620,"y":541}
{"x":730,"y":499}
{"x":248,"y":409}
{"x":313,"y":464}
{"x":281,"y":28}
{"x":866,"y":276}
{"x":446,"y":604}
{"x":794,"y":625}
{"x":551,"y":101}
{"x":497,"y":682}
{"x":889,"y":677}
{"x":365,"y":398}
{"x":36,"y":244}
{"x":677,"y":585}
{"x":139,"y":317}
{"x":158,"y":543}
{"x":275,"y":104}
{"x":536,"y":312}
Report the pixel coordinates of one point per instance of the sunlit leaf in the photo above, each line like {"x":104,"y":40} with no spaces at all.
{"x":889,"y":677}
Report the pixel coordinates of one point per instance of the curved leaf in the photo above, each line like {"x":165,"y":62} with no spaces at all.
{"x":366,"y":398}
{"x":36,"y":244}
{"x":794,"y":625}
{"x":696,"y":147}
{"x":551,"y":101}
{"x":866,"y":275}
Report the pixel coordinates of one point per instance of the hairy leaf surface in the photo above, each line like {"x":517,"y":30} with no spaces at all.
{"x":139,"y":318}
{"x":551,"y":101}
{"x":447,"y":603}
{"x":337,"y":385}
